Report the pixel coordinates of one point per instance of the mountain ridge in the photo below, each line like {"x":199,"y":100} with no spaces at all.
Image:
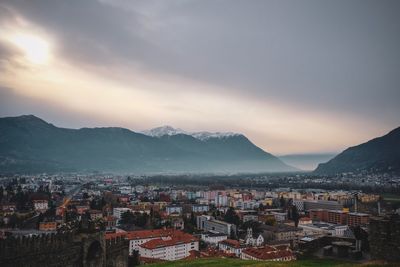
{"x":169,"y":130}
{"x":30,"y":144}
{"x":378,"y":155}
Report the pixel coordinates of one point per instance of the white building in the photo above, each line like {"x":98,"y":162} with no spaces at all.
{"x":200,"y":208}
{"x":169,"y":248}
{"x":219,"y":226}
{"x":213,"y":238}
{"x":324,"y":229}
{"x":117,"y":212}
{"x":200,"y":221}
{"x":137,"y":238}
{"x":221,"y":200}
{"x":40,"y":205}
{"x":253,"y":240}
{"x":231,"y":246}
{"x":125,"y":190}
{"x":279,"y":216}
{"x":173,"y":209}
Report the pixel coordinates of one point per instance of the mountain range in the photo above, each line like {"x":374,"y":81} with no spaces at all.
{"x":28,"y":144}
{"x":378,"y":155}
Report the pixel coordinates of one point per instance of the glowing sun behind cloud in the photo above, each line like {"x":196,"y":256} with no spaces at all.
{"x":35,"y":48}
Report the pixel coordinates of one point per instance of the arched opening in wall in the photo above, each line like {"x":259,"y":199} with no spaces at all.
{"x":94,"y":254}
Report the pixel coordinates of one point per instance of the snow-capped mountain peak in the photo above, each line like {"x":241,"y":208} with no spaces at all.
{"x":163,"y":130}
{"x":168,"y":130}
{"x":207,"y":135}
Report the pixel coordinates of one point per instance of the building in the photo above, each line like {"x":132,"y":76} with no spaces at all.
{"x":200,"y":221}
{"x":253,"y":239}
{"x":280,"y":232}
{"x":250,"y":217}
{"x":200,"y":208}
{"x":305,"y":221}
{"x":279,"y":216}
{"x":231,"y":246}
{"x":299,"y":204}
{"x":322,"y":204}
{"x":357,"y":218}
{"x":213,"y":238}
{"x":82,"y":209}
{"x":318,"y":215}
{"x":219,"y":226}
{"x":95,"y":214}
{"x":169,"y":248}
{"x":40,"y":205}
{"x":117,"y":212}
{"x":268,"y":253}
{"x":137,"y":238}
{"x":337,"y":216}
{"x":47,"y":226}
{"x":318,"y":228}
{"x":110,"y":221}
{"x":173,"y":209}
{"x":221,"y":200}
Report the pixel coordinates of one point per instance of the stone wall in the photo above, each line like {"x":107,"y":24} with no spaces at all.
{"x":384,"y":237}
{"x":64,"y":249}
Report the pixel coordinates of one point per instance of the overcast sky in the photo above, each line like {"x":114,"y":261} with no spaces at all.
{"x":293,"y":76}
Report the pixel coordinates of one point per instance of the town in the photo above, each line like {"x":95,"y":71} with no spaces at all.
{"x":132,"y":220}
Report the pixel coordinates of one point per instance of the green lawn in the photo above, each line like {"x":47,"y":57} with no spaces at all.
{"x":218,"y":262}
{"x":391,"y":197}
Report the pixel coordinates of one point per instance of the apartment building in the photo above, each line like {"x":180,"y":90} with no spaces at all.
{"x":169,"y":248}
{"x":357,"y":218}
{"x":219,"y":226}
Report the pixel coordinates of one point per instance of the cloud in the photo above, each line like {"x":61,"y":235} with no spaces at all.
{"x":329,"y":60}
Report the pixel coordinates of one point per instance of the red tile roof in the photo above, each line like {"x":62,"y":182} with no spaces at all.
{"x":144,"y":234}
{"x":167,"y":242}
{"x":269,"y":252}
{"x":115,"y":235}
{"x":231,"y":243}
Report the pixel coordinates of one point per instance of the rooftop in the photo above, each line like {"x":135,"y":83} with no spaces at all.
{"x":182,"y":238}
{"x":231,"y":243}
{"x":269,"y":252}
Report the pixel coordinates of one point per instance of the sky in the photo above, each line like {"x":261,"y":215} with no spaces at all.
{"x":293,"y":76}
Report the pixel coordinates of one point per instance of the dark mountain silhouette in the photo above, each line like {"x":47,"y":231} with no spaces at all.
{"x":29,"y":144}
{"x":378,"y":155}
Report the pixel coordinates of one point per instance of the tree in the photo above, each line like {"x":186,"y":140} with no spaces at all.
{"x":192,"y":218}
{"x":270,"y":221}
{"x":232,"y":234}
{"x":134,"y":259}
{"x":294,"y":215}
{"x":254,"y":225}
{"x":127,"y":218}
{"x":202,"y":245}
{"x":231,"y":216}
{"x":140,"y":219}
{"x":261,"y":207}
{"x":282,"y":202}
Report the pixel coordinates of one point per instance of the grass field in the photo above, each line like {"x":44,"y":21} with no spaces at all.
{"x":217,"y":262}
{"x":391,"y":197}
